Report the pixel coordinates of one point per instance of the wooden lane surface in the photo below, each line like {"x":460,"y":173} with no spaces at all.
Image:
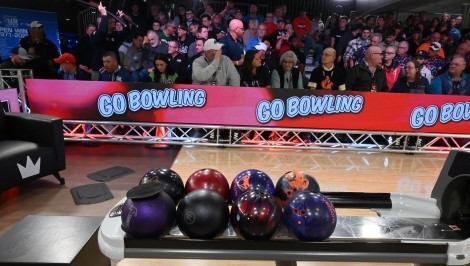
{"x":334,"y":170}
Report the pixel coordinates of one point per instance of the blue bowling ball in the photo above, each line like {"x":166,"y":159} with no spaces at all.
{"x":251,"y":179}
{"x":310,"y":216}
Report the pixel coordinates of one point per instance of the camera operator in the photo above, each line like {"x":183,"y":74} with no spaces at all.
{"x":283,"y":35}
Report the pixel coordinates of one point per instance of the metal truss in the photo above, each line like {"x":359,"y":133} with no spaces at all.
{"x":15,"y":78}
{"x":232,"y":136}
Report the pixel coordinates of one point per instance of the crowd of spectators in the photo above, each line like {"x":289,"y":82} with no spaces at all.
{"x":423,"y":54}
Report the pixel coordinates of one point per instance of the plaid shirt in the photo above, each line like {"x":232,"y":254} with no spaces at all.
{"x":402,"y":60}
{"x":354,"y":47}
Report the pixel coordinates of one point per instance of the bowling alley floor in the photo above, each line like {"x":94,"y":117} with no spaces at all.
{"x":334,"y":170}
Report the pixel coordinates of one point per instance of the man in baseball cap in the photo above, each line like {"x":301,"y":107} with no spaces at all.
{"x":214,"y":68}
{"x":19,"y":57}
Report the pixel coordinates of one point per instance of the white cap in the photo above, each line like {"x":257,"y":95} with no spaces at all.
{"x":212,"y":44}
{"x":261,"y":46}
{"x":435,"y":46}
{"x":36,"y":24}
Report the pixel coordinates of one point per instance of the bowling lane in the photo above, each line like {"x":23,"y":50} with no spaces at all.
{"x":334,"y":170}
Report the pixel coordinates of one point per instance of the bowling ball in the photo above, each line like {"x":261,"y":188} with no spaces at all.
{"x":208,"y":179}
{"x":293,"y":182}
{"x":173,"y":184}
{"x":148,"y":211}
{"x":256,"y":215}
{"x":202,"y":214}
{"x":310,"y":216}
{"x":251,"y":179}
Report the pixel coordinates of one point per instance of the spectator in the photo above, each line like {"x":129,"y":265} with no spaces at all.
{"x":19,"y":57}
{"x":391,"y":67}
{"x":389,"y":40}
{"x":180,"y":17}
{"x":214,"y":68}
{"x":422,"y":57}
{"x":178,"y":62}
{"x":199,"y":51}
{"x":269,"y":23}
{"x":156,"y":26}
{"x":402,"y":56}
{"x":253,"y":14}
{"x":104,"y":39}
{"x":253,"y":73}
{"x":190,"y":19}
{"x":380,"y":25}
{"x":217,"y":23}
{"x":154,"y":47}
{"x":168,"y":33}
{"x":203,"y":33}
{"x":355,"y":46}
{"x":250,"y":32}
{"x":412,"y":81}
{"x":368,"y":76}
{"x":454,"y":81}
{"x":131,"y":56}
{"x":69,"y":69}
{"x":328,"y":76}
{"x":260,"y":35}
{"x":233,"y":45}
{"x":337,"y":33}
{"x":163,"y":73}
{"x":42,"y":51}
{"x":112,"y":71}
{"x":228,"y":12}
{"x":83,"y":51}
{"x":285,"y":76}
{"x":294,"y":43}
{"x":435,"y":62}
{"x":435,"y":37}
{"x":316,"y":24}
{"x":414,"y":41}
{"x":302,"y":26}
{"x":269,"y":58}
{"x":138,"y":17}
{"x":183,"y":39}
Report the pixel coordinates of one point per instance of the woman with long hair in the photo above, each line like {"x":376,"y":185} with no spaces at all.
{"x":162,"y":72}
{"x":412,"y":82}
{"x":253,"y":73}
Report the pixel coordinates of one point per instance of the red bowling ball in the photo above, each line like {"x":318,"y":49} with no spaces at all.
{"x":256,"y":215}
{"x":208,"y":179}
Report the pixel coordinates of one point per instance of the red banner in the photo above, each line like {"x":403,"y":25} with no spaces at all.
{"x":240,"y":106}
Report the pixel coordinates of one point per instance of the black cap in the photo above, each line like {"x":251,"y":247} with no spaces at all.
{"x":422,"y":54}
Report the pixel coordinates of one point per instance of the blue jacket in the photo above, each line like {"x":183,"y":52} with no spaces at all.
{"x":443,"y":84}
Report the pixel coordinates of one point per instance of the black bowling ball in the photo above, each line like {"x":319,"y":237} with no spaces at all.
{"x":202,"y":214}
{"x":173,"y":184}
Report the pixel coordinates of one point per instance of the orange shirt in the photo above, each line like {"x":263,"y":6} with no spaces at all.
{"x":425,"y":47}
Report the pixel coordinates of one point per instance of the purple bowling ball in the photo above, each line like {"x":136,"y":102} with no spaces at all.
{"x":148,"y":211}
{"x":251,"y":179}
{"x":310,"y":216}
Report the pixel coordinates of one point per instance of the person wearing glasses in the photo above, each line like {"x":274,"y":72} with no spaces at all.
{"x":178,"y":61}
{"x":328,"y":76}
{"x":412,"y":81}
{"x":402,"y":56}
{"x":368,"y":76}
{"x":286,"y":76}
{"x":391,"y":67}
{"x":455,"y":81}
{"x":168,"y":33}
